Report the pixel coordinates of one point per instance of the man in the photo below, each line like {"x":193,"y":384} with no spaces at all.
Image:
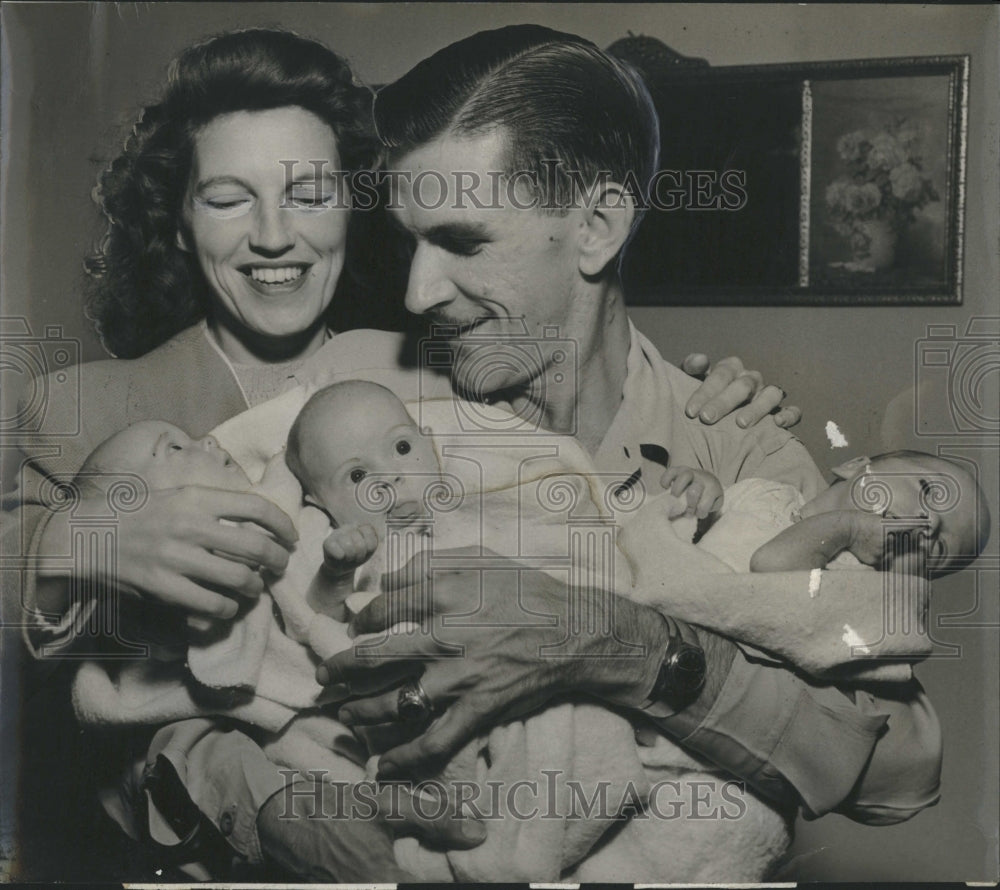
{"x":570,"y":136}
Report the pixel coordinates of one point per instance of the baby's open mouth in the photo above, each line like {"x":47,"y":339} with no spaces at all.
{"x":407,"y":511}
{"x":274,"y":274}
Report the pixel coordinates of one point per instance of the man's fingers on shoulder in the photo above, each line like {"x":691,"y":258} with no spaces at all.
{"x":730,"y":368}
{"x":788,"y":417}
{"x":695,"y":364}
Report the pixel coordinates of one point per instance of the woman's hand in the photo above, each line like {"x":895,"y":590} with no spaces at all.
{"x":727,"y":386}
{"x":176,"y":551}
{"x":490,"y":646}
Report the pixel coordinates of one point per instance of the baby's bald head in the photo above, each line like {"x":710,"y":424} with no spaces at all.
{"x":350,"y":431}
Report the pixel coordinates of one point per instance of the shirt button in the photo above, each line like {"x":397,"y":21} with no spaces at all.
{"x":226,"y":823}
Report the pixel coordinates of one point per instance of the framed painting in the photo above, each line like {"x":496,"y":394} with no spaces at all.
{"x":812,"y":183}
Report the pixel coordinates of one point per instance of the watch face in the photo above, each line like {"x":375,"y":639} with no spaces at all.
{"x":688,"y":669}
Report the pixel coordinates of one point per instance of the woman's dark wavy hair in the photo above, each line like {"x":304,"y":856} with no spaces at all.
{"x":144,"y":287}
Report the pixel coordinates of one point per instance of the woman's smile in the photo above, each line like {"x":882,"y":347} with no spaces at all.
{"x":276,"y":279}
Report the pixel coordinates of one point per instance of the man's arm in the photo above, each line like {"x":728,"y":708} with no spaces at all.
{"x":875,"y":760}
{"x":788,"y":737}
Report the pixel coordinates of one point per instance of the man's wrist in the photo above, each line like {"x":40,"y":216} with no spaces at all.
{"x":682,"y":672}
{"x":719,"y":656}
{"x":627,"y":677}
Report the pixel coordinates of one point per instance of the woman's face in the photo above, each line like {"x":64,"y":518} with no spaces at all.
{"x":266,"y":215}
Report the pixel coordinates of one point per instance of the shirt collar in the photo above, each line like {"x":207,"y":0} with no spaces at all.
{"x":641,"y":428}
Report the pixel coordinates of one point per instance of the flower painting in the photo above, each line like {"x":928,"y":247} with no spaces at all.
{"x":879,"y":178}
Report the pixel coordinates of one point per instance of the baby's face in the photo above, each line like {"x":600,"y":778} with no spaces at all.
{"x":366,"y":458}
{"x":164,"y":456}
{"x":912,"y":489}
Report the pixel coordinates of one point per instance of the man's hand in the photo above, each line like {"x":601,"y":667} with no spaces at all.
{"x":727,"y":386}
{"x":491,"y":645}
{"x":701,"y":490}
{"x":358,"y":847}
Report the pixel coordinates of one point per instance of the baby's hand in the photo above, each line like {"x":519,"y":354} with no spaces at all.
{"x":701,"y":490}
{"x":348,"y":547}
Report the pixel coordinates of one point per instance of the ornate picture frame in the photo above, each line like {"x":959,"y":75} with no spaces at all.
{"x":815,"y":183}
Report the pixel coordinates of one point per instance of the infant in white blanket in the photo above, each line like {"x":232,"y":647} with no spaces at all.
{"x":903,"y":511}
{"x":360,"y":458}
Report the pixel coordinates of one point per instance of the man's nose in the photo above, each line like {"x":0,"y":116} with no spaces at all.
{"x":271,"y":233}
{"x":209,"y":443}
{"x":429,"y":286}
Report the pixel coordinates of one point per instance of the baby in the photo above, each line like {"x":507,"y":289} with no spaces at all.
{"x":357,"y":453}
{"x":163,"y":456}
{"x":903,"y":510}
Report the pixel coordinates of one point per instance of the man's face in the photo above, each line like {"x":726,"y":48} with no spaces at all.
{"x":486,"y":263}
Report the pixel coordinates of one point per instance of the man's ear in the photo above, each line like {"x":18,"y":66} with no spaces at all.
{"x":851,"y":468}
{"x":607,"y":224}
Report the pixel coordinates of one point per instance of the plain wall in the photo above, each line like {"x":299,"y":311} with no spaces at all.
{"x":75,"y":74}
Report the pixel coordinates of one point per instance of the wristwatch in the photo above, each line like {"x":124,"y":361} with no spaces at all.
{"x":681,"y":674}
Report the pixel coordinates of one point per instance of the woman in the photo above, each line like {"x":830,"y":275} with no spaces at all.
{"x":226,"y":242}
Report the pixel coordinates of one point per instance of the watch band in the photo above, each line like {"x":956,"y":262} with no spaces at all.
{"x":682,"y":672}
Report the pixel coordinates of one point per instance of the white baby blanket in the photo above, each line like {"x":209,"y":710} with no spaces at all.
{"x":526,"y":495}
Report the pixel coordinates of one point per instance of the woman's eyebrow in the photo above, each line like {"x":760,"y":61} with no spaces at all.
{"x":310,"y":178}
{"x":221,"y":180}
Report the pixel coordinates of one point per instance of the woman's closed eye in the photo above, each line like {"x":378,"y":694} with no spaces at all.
{"x":224,"y":206}
{"x":310,"y":197}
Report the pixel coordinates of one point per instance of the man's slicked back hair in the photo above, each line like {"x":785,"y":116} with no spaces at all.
{"x":558,"y":96}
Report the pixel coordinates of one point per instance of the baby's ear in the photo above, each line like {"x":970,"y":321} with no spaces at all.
{"x":851,"y":468}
